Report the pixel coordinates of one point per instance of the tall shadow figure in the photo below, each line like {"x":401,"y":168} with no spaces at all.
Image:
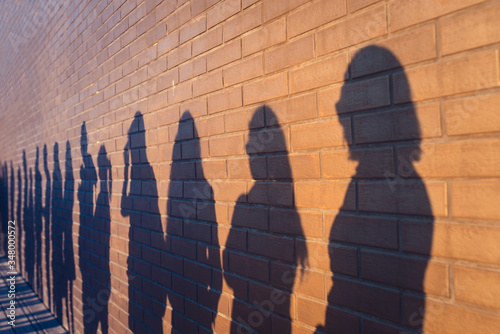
{"x":270,"y":234}
{"x":4,"y":207}
{"x":192,"y":229}
{"x":19,"y":224}
{"x":393,"y":198}
{"x":38,"y":227}
{"x":46,"y":218}
{"x":146,"y":237}
{"x":28,"y":224}
{"x":56,"y":238}
{"x":67,"y":236}
{"x":12,"y":189}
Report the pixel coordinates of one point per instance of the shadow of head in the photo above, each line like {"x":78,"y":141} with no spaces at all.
{"x":358,"y":94}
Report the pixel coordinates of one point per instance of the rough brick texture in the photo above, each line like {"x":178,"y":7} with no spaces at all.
{"x":271,"y":166}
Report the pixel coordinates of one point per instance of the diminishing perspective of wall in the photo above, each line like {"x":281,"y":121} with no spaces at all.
{"x":268,"y":166}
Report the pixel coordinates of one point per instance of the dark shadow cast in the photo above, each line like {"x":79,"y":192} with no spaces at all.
{"x":380,"y":203}
{"x":46,"y":215}
{"x":94,"y":235}
{"x":139,"y":202}
{"x":261,"y":258}
{"x":56,"y":238}
{"x":28,"y":224}
{"x":67,"y":237}
{"x":38,"y":227}
{"x":192,"y":236}
{"x":4,"y":208}
{"x":19,"y":228}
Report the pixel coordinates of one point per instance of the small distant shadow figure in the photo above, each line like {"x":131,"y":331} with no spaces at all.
{"x":139,"y":202}
{"x":192,"y":229}
{"x":267,"y":233}
{"x":395,"y":193}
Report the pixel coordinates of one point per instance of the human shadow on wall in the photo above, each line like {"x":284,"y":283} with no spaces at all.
{"x":19,"y":228}
{"x":46,"y":215}
{"x":38,"y":227}
{"x":394,"y":194}
{"x":4,"y":207}
{"x":139,"y":202}
{"x":56,"y":240}
{"x":192,"y":235}
{"x":67,"y":236}
{"x":27,"y":222}
{"x":264,"y":304}
{"x":94,"y":236}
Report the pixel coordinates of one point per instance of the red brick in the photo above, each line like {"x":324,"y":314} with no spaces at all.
{"x":228,"y":99}
{"x":207,"y":41}
{"x":197,"y":7}
{"x":401,"y":124}
{"x":313,"y":313}
{"x":289,"y":54}
{"x":240,"y":120}
{"x":249,"y":266}
{"x":289,"y":221}
{"x":319,"y":135}
{"x":178,"y":18}
{"x":195,"y":108}
{"x":242,"y":23}
{"x":318,"y":74}
{"x":291,"y":110}
{"x":473,"y":286}
{"x":264,"y":37}
{"x":344,"y":164}
{"x":417,"y":198}
{"x":325,"y":195}
{"x":412,"y":47}
{"x":304,"y":166}
{"x":462,"y":75}
{"x":240,"y":168}
{"x":268,"y":245}
{"x":318,"y":13}
{"x":271,"y":193}
{"x":193,"y":68}
{"x":475,"y":200}
{"x":274,"y":8}
{"x":210,"y":126}
{"x":222,"y":11}
{"x":180,"y":93}
{"x":229,"y":145}
{"x":168,"y":43}
{"x":265,"y":89}
{"x":249,"y":216}
{"x":228,"y":191}
{"x":354,"y":30}
{"x":457,"y":159}
{"x":207,"y":83}
{"x":360,"y":95}
{"x":224,"y":55}
{"x":194,"y":28}
{"x":474,"y":114}
{"x":355,"y":5}
{"x":244,"y":70}
{"x":408,"y":12}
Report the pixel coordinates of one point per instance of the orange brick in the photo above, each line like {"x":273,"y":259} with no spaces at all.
{"x":193,"y":68}
{"x":417,"y":198}
{"x":240,"y":120}
{"x":179,"y":55}
{"x":264,"y":37}
{"x":312,"y":313}
{"x":317,"y":74}
{"x":323,"y":134}
{"x":244,"y":70}
{"x":451,"y":240}
{"x":471,"y":73}
{"x":228,"y":99}
{"x":317,"y":13}
{"x":354,"y":30}
{"x":289,"y":54}
{"x":228,"y":191}
{"x":207,"y":83}
{"x":194,"y":28}
{"x":200,"y":6}
{"x":167,"y":79}
{"x":475,"y":200}
{"x":291,"y":110}
{"x":474,"y":114}
{"x":224,"y":55}
{"x":228,"y":145}
{"x":457,"y":159}
{"x":242,"y":23}
{"x":409,"y":48}
{"x":296,"y":166}
{"x":180,"y":93}
{"x":268,"y":140}
{"x":240,"y":168}
{"x":355,"y":5}
{"x":168,"y":43}
{"x":377,"y":163}
{"x":408,"y":12}
{"x":360,"y":95}
{"x":400,"y":124}
{"x":477,"y":286}
{"x":265,"y":89}
{"x":196,"y":108}
{"x":325,"y":195}
{"x":210,"y":126}
{"x":207,"y":41}
{"x":274,"y":8}
{"x":222,"y":11}
{"x":211,"y":169}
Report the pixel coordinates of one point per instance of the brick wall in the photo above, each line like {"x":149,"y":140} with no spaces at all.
{"x":255,"y":165}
